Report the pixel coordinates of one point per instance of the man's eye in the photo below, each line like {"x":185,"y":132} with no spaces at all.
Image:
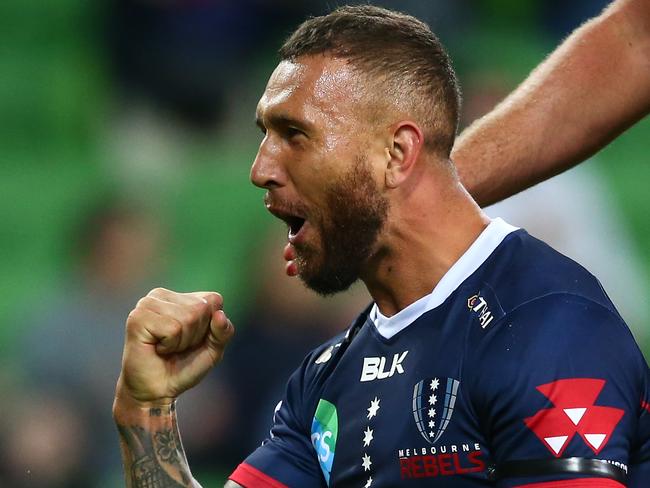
{"x":292,"y":132}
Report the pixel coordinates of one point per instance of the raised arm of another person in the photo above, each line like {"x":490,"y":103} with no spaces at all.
{"x":594,"y":86}
{"x":172,"y":341}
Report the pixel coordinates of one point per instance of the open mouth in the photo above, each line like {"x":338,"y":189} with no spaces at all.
{"x":294,"y":224}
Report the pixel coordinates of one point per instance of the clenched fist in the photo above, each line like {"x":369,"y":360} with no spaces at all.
{"x":172,"y":341}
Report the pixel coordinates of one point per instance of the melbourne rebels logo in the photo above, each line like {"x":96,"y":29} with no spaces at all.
{"x":574,"y":412}
{"x":433,"y":406}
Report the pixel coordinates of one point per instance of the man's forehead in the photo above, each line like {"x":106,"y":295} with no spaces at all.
{"x":286,"y":79}
{"x":319,"y":81}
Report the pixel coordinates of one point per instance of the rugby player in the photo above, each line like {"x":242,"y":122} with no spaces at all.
{"x":485,"y":358}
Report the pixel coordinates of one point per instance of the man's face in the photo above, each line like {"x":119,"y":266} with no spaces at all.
{"x":321,"y":167}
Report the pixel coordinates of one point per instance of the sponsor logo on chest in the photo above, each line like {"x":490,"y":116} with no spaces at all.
{"x":324,"y":434}
{"x":380,"y":368}
{"x":478,"y":305}
{"x":433,"y":403}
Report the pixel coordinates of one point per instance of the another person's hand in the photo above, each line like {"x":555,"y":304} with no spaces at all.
{"x":172,"y":341}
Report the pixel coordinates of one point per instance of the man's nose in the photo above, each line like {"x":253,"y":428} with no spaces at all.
{"x":267,"y":172}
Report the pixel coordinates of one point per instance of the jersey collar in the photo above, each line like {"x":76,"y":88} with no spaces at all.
{"x":467,"y":264}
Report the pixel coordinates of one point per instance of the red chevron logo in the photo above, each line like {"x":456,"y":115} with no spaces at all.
{"x":574,"y":412}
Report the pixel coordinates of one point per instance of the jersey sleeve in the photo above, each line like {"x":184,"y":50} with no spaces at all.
{"x":559,"y":378}
{"x":640,"y":462}
{"x":286,"y":458}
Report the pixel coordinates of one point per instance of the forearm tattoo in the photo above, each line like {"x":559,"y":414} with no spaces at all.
{"x":154,"y":457}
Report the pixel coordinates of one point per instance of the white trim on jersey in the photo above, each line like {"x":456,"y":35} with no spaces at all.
{"x":469,"y":262}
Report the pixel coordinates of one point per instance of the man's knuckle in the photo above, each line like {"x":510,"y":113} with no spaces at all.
{"x":198,"y":311}
{"x":157,"y":291}
{"x":134,"y":319}
{"x":184,"y":317}
{"x":175,"y":328}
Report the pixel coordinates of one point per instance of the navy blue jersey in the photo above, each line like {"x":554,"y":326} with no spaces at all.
{"x":516,"y":370}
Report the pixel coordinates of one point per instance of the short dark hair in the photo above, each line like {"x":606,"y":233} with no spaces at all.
{"x":397,"y":50}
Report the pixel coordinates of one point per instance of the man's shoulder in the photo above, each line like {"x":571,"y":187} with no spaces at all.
{"x":528,"y":290}
{"x":525,"y":269}
{"x":536,"y":302}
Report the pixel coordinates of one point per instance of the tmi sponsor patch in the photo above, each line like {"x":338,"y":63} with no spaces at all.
{"x":485,"y":307}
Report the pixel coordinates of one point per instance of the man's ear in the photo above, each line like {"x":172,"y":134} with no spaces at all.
{"x":406,"y":144}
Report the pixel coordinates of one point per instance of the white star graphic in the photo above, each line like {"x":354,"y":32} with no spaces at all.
{"x":431,"y":434}
{"x":374,"y":406}
{"x":432,"y":400}
{"x":432,"y":412}
{"x":434,"y":384}
{"x":366,"y":462}
{"x":367,"y":437}
{"x":432,"y":424}
{"x":368,"y":483}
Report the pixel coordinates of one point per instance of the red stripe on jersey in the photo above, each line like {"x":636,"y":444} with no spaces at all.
{"x":579,"y":483}
{"x":645,"y":405}
{"x":250,"y":477}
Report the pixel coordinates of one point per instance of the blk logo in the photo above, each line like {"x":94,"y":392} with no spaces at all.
{"x":574,"y":412}
{"x":374,"y":368}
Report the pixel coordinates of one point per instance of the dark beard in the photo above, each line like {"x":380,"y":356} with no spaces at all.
{"x":348,"y":227}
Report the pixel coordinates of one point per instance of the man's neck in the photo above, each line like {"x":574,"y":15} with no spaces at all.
{"x":427,"y":232}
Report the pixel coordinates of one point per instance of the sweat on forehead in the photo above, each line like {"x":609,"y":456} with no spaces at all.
{"x":315,"y":84}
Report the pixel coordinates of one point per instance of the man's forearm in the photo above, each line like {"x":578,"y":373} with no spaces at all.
{"x":592,"y":88}
{"x":151,"y":446}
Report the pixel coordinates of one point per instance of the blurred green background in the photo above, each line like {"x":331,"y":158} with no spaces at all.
{"x":74,"y":129}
